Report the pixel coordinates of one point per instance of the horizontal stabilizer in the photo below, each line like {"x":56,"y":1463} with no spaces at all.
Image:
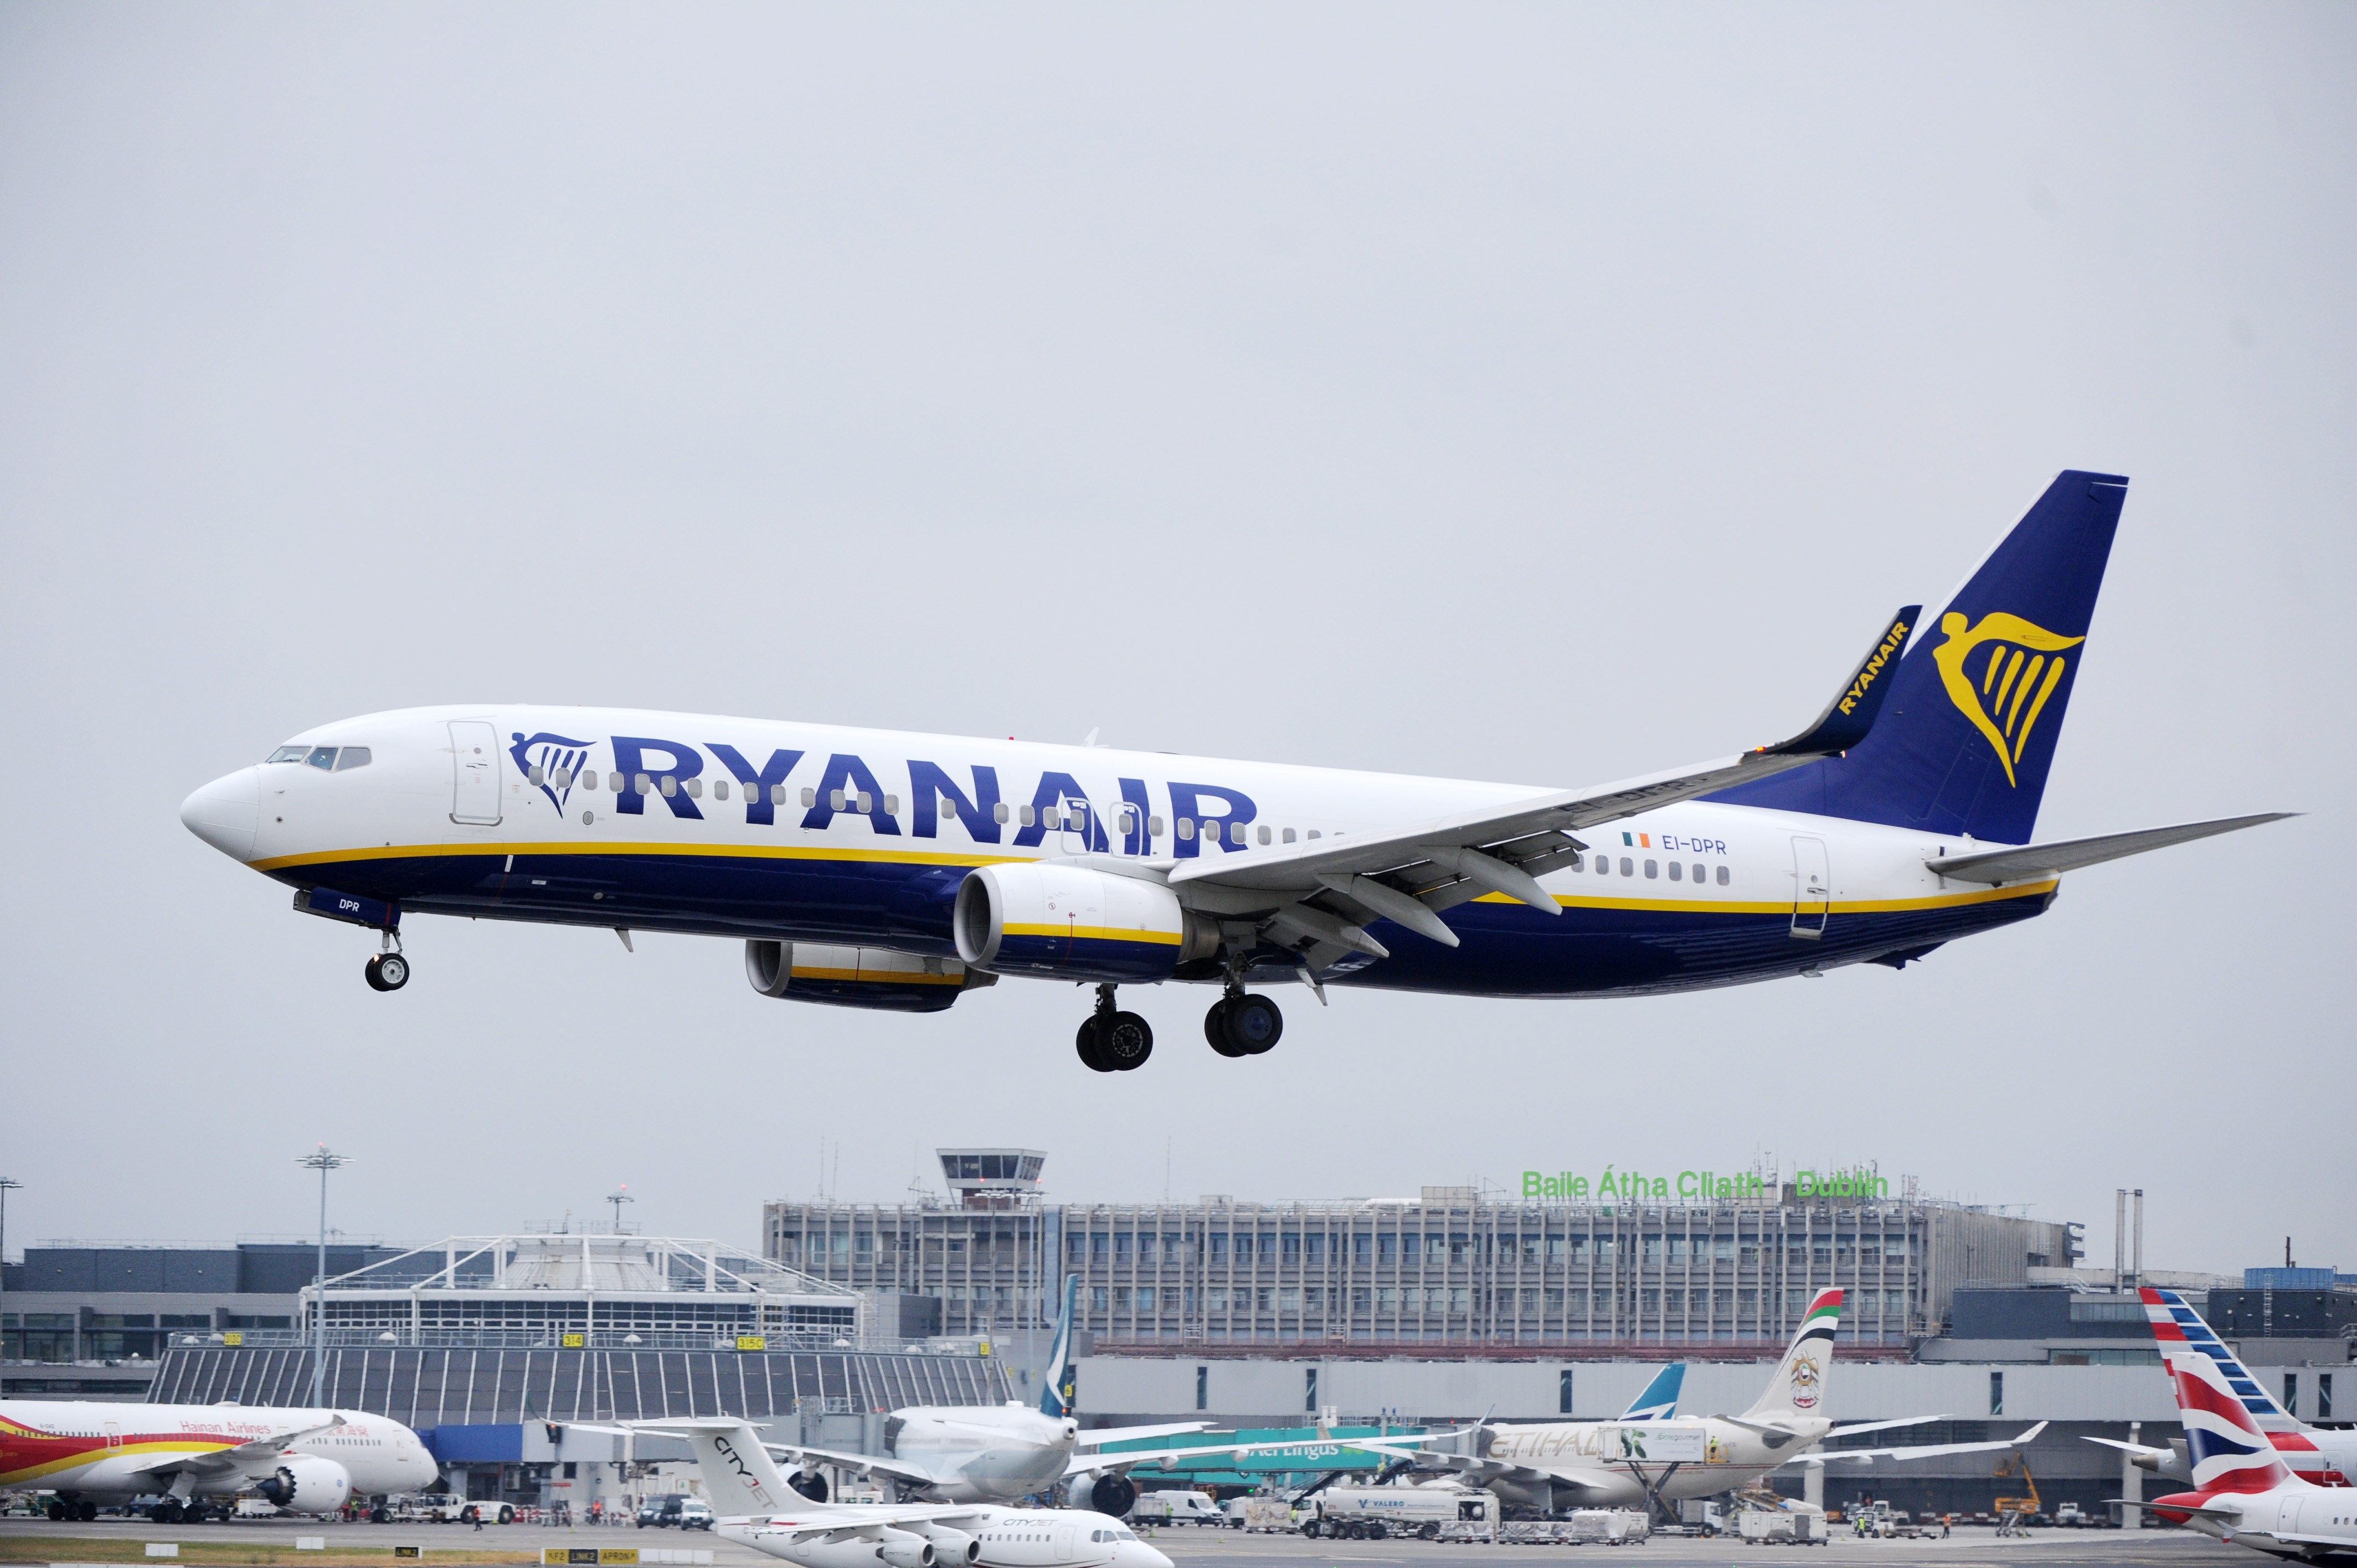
{"x":1998,"y":865}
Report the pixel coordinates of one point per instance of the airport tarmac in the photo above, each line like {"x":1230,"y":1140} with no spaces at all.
{"x":35,"y":1540}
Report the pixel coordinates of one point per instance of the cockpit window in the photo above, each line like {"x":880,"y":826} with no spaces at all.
{"x":327,"y":759}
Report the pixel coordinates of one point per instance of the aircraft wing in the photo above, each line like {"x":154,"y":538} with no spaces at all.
{"x":262,"y":1453}
{"x":1883,"y":1425}
{"x":1481,"y":1472}
{"x":1921,"y":1451}
{"x":2142,"y":1450}
{"x":865,"y":1463}
{"x":1410,"y":874}
{"x":1098,"y":1436}
{"x":1097,"y":1464}
{"x":857,"y":1522}
{"x":1996,"y":865}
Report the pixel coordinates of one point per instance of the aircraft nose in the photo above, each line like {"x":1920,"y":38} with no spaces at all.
{"x":227,"y":812}
{"x":1138,"y":1554}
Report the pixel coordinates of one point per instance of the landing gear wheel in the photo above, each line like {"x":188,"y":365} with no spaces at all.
{"x":387,"y":971}
{"x":1243,"y":1025}
{"x":1215,"y":1029}
{"x":86,"y":1511}
{"x":1092,"y":1057}
{"x":1123,"y":1039}
{"x":58,"y":1510}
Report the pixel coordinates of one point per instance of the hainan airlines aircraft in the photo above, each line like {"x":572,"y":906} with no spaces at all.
{"x":871,"y":868}
{"x":198,"y":1457}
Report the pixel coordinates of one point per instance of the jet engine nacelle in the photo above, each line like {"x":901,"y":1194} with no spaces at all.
{"x":1042,"y":918}
{"x":307,"y":1484}
{"x":858,"y":977}
{"x":1109,"y":1492}
{"x":950,"y":1546}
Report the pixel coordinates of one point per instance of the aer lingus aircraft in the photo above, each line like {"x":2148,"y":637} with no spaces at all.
{"x":871,"y":868}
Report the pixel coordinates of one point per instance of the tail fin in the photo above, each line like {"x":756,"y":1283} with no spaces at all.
{"x":2230,"y":1454}
{"x":1660,"y":1400}
{"x":1060,"y":1391}
{"x":2180,"y":1329}
{"x":1968,"y":730}
{"x":1799,"y":1386}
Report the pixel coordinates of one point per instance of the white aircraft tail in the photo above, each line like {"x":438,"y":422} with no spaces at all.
{"x":737,"y":1470}
{"x":1058,"y":1392}
{"x":1799,"y":1386}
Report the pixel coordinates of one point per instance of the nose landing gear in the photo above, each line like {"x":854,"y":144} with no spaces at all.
{"x":388,"y":971}
{"x":1113,"y":1041}
{"x":1243,"y":1025}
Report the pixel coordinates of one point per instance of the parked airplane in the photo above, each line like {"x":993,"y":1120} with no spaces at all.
{"x":2243,"y":1492}
{"x":875,"y":869}
{"x":756,"y":1506}
{"x":964,"y":1454}
{"x":198,"y":1457}
{"x":2320,"y":1455}
{"x":1557,"y":1465}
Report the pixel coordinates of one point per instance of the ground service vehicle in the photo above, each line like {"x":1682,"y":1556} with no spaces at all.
{"x":1374,"y":1513}
{"x":1176,"y":1508}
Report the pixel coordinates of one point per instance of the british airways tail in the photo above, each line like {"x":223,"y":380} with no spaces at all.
{"x":1058,"y":1390}
{"x":1969,"y":726}
{"x":1660,"y":1400}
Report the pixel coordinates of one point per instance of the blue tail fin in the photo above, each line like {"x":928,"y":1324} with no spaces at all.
{"x":1660,"y":1400}
{"x":1969,"y":725}
{"x":1057,"y":1385}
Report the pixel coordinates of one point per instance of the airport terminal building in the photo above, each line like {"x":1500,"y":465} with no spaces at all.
{"x":1452,"y":1270}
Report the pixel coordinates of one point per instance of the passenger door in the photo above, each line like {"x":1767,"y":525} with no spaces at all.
{"x":1812,"y":887}
{"x":474,"y":772}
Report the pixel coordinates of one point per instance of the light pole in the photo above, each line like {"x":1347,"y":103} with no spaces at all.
{"x":617,"y":1198}
{"x":323,"y":1162}
{"x":8,"y":1186}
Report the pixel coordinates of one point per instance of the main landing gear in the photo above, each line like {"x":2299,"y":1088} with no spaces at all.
{"x":389,"y":971}
{"x":1112,"y":1041}
{"x":1243,"y":1025}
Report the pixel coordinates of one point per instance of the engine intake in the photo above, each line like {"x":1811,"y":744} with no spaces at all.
{"x":307,"y":1484}
{"x":1041,"y":917}
{"x":876,"y":978}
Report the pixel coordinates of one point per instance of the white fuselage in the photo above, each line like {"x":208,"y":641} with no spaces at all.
{"x":99,"y":1450}
{"x":1009,"y":1538}
{"x":2296,"y":1519}
{"x":990,"y":1453}
{"x":1615,"y":1462}
{"x":755,"y":828}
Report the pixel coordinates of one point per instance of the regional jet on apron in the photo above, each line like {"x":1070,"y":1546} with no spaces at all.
{"x":874,"y":868}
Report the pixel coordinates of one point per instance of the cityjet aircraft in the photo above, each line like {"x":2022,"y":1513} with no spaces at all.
{"x":754,"y":1505}
{"x":2320,"y":1455}
{"x":1558,"y":1465}
{"x":964,"y":1454}
{"x":2242,"y":1491}
{"x":870,"y":868}
{"x":200,"y":1456}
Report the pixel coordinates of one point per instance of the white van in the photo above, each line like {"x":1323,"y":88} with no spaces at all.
{"x":1176,"y":1508}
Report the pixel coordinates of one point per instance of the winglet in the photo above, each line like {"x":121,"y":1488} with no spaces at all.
{"x":1850,"y":714}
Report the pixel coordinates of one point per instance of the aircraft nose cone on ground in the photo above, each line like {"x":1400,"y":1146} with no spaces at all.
{"x":226,"y":812}
{"x":1138,"y":1554}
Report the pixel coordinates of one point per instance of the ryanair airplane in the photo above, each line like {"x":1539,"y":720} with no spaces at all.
{"x":872,"y":869}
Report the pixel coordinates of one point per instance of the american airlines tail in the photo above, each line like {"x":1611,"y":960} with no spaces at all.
{"x":1058,"y":1390}
{"x":1968,"y":732}
{"x":2177,"y":1328}
{"x":1798,"y":1389}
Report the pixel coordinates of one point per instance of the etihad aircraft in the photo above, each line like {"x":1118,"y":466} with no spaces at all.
{"x":2320,"y":1455}
{"x":2244,"y":1493}
{"x":1558,"y":1465}
{"x":964,"y":1454}
{"x":196,"y":1458}
{"x":754,"y":1505}
{"x":871,"y":868}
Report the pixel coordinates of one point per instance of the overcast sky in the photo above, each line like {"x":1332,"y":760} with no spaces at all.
{"x":1538,"y":392}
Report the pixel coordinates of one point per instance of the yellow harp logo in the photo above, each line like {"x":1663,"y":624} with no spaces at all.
{"x":2004,"y":692}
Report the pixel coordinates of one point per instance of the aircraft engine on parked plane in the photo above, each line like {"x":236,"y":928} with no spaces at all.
{"x":877,"y":977}
{"x":306,"y":1484}
{"x":1110,"y":1492}
{"x":950,"y":1546}
{"x":1041,"y":918}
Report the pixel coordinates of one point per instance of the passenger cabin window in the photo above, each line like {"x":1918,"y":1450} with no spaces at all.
{"x":1288,"y":835}
{"x":1653,"y":869}
{"x":1677,"y":872}
{"x":1001,"y":812}
{"x":810,"y":797}
{"x":1627,"y":866}
{"x":1313,"y":832}
{"x":1154,"y":827}
{"x":1722,"y":877}
{"x":1698,"y":871}
{"x":1186,"y":827}
{"x":835,"y":802}
{"x":720,"y":788}
{"x":695,"y":788}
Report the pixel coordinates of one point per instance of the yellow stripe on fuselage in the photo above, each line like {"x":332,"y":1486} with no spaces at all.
{"x":89,"y":1456}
